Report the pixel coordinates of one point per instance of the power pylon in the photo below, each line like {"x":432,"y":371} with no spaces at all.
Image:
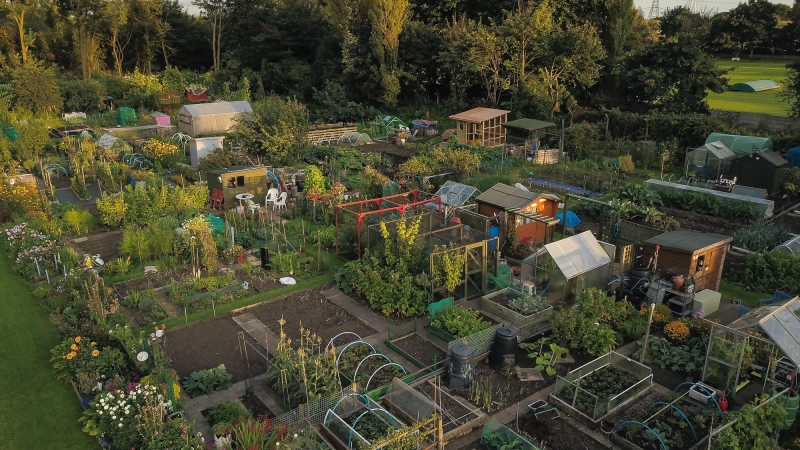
{"x":655,"y":11}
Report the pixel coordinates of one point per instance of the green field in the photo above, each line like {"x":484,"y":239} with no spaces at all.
{"x":36,"y":411}
{"x":766,"y":102}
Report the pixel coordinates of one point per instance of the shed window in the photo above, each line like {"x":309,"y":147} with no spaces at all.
{"x":185,"y":119}
{"x":231,"y":182}
{"x":701,"y":261}
{"x":240,"y":181}
{"x":461,"y":126}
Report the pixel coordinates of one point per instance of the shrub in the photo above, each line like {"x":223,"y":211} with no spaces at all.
{"x":585,"y":327}
{"x":626,"y":163}
{"x":229,"y":411}
{"x":207,"y":381}
{"x":765,"y":272}
{"x":35,"y":88}
{"x":676,"y":330}
{"x":82,"y":95}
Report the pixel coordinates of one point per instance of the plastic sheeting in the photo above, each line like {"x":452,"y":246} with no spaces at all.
{"x":578,"y":254}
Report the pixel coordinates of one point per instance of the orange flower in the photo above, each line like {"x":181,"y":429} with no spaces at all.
{"x":77,"y":339}
{"x":73,"y":347}
{"x":94,"y":343}
{"x":70,"y":355}
{"x":95,"y":353}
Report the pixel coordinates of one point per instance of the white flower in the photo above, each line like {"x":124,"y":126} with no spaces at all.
{"x":100,"y":412}
{"x":295,"y":435}
{"x":113,"y":416}
{"x":105,"y":406}
{"x":120,"y":425}
{"x":127,"y":412}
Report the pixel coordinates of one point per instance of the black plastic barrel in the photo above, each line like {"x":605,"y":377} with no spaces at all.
{"x":264,"y":258}
{"x":504,"y":348}
{"x":461,"y":371}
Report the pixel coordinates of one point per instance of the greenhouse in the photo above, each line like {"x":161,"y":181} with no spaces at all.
{"x":354,"y":137}
{"x":565,"y":268}
{"x":741,"y":145}
{"x":708,"y":161}
{"x":791,"y":247}
{"x":755,"y":354}
{"x":755,"y":86}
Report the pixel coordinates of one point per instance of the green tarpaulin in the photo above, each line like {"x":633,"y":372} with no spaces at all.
{"x":126,"y":116}
{"x":217,"y":225}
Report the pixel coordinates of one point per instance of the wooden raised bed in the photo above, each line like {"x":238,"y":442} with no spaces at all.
{"x":523,"y":324}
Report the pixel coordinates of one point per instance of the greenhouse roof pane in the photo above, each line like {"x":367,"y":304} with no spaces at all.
{"x":783,"y":327}
{"x":455,"y":194}
{"x":578,"y":254}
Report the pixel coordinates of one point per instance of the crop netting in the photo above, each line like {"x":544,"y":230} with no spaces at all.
{"x":313,"y":412}
{"x":569,"y":391}
{"x":497,"y":436}
{"x":411,"y":402}
{"x":343,"y":426}
{"x":481,"y":342}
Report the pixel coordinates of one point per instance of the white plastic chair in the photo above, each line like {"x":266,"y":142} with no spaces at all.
{"x":280,"y":202}
{"x":253,"y":206}
{"x":272,"y":196}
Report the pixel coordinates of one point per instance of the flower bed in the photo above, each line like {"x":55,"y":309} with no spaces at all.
{"x":369,"y":369}
{"x":522,"y":311}
{"x":601,"y":386}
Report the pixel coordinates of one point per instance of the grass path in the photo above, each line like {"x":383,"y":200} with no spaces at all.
{"x":36,"y":411}
{"x":765,"y":102}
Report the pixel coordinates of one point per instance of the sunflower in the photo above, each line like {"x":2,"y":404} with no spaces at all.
{"x":96,"y":352}
{"x":77,"y":339}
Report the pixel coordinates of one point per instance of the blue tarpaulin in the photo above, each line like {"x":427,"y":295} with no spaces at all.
{"x":793,"y":156}
{"x":572,"y":219}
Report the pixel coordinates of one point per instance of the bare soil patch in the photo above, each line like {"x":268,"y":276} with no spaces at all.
{"x":424,"y":351}
{"x":105,"y":244}
{"x":556,"y":434}
{"x":310,"y":310}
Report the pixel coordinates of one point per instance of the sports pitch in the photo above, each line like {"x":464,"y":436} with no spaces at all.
{"x":765,"y":102}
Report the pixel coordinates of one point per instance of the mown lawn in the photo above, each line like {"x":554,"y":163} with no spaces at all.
{"x":765,"y":102}
{"x":36,"y":411}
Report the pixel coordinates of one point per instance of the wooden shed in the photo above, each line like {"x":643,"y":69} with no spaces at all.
{"x":534,"y":213}
{"x":762,"y":169}
{"x":239,"y":180}
{"x":481,"y":126}
{"x":700,"y":254}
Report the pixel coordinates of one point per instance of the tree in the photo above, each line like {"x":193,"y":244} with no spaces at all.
{"x":83,"y":14}
{"x":33,"y":136}
{"x":276,"y":128}
{"x":791,"y":91}
{"x":116,"y":17}
{"x":752,"y":25}
{"x":572,"y":61}
{"x":17,"y":9}
{"x":671,"y":76}
{"x":525,"y":31}
{"x":215,"y":12}
{"x":35,"y":88}
{"x":387,"y":18}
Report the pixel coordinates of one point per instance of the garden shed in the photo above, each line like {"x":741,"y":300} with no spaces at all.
{"x":532,"y":213}
{"x":755,"y":86}
{"x":199,"y":148}
{"x":239,"y":180}
{"x":527,"y":132}
{"x":481,"y":126}
{"x":762,"y":169}
{"x":708,"y":161}
{"x":793,"y":156}
{"x":741,"y":145}
{"x":565,"y":268}
{"x":700,"y":254}
{"x":205,"y":119}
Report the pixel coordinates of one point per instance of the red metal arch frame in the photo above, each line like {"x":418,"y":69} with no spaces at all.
{"x":360,"y":214}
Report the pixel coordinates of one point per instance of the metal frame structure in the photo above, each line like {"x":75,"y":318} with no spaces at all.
{"x":401,"y":208}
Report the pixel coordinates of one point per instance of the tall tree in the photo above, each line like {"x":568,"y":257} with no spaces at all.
{"x":753,"y":25}
{"x":17,"y":9}
{"x":791,"y":91}
{"x":116,"y":17}
{"x":525,"y":30}
{"x":387,"y":18}
{"x":216,"y":12}
{"x":671,"y":76}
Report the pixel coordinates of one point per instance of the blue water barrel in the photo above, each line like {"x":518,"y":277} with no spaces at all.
{"x":494,"y":231}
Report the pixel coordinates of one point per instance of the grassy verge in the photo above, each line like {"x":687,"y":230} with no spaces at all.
{"x":765,"y":102}
{"x":730,"y":291}
{"x":38,"y":411}
{"x":247,"y":301}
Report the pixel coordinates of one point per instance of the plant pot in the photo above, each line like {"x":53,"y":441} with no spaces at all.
{"x":607,"y":426}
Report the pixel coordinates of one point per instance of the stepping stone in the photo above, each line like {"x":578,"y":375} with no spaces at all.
{"x":150,"y":269}
{"x":529,"y":374}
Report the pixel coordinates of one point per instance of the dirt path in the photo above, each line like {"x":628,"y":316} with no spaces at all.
{"x":170,"y":308}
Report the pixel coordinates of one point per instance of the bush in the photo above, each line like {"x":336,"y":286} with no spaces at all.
{"x":82,"y":95}
{"x":765,"y":272}
{"x":35,"y":88}
{"x":229,"y":411}
{"x":585,"y":327}
{"x":207,"y":381}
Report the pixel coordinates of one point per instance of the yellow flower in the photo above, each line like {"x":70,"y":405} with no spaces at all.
{"x":70,"y":355}
{"x":94,"y":343}
{"x":77,"y":339}
{"x":96,"y":352}
{"x":73,"y":347}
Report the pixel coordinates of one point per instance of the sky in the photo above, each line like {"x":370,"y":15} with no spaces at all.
{"x":711,"y":5}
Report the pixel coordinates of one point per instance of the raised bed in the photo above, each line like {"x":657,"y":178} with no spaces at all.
{"x":602,"y":387}
{"x":362,"y":428}
{"x":447,"y":337}
{"x":499,"y":304}
{"x":681,"y":425}
{"x":371,"y":370}
{"x":418,"y":350}
{"x":497,"y":436}
{"x":459,"y":417}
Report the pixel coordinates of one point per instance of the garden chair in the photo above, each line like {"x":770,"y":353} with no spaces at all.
{"x":280,"y":202}
{"x":217,"y":199}
{"x":272,"y":195}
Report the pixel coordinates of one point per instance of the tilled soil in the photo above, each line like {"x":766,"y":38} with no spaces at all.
{"x":555,"y":434}
{"x":421,"y":349}
{"x":310,"y":310}
{"x":104,"y":244}
{"x":208,"y":344}
{"x":455,"y":414}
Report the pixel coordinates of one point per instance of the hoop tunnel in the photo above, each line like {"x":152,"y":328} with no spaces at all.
{"x":664,"y":446}
{"x":682,"y":414}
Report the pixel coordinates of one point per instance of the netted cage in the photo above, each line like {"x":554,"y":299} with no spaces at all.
{"x":364,"y":427}
{"x":354,"y":137}
{"x":497,"y":436}
{"x":407,"y":403}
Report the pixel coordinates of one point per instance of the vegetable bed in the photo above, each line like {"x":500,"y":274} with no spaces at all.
{"x":525,"y":312}
{"x":367,"y":362}
{"x":457,"y":322}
